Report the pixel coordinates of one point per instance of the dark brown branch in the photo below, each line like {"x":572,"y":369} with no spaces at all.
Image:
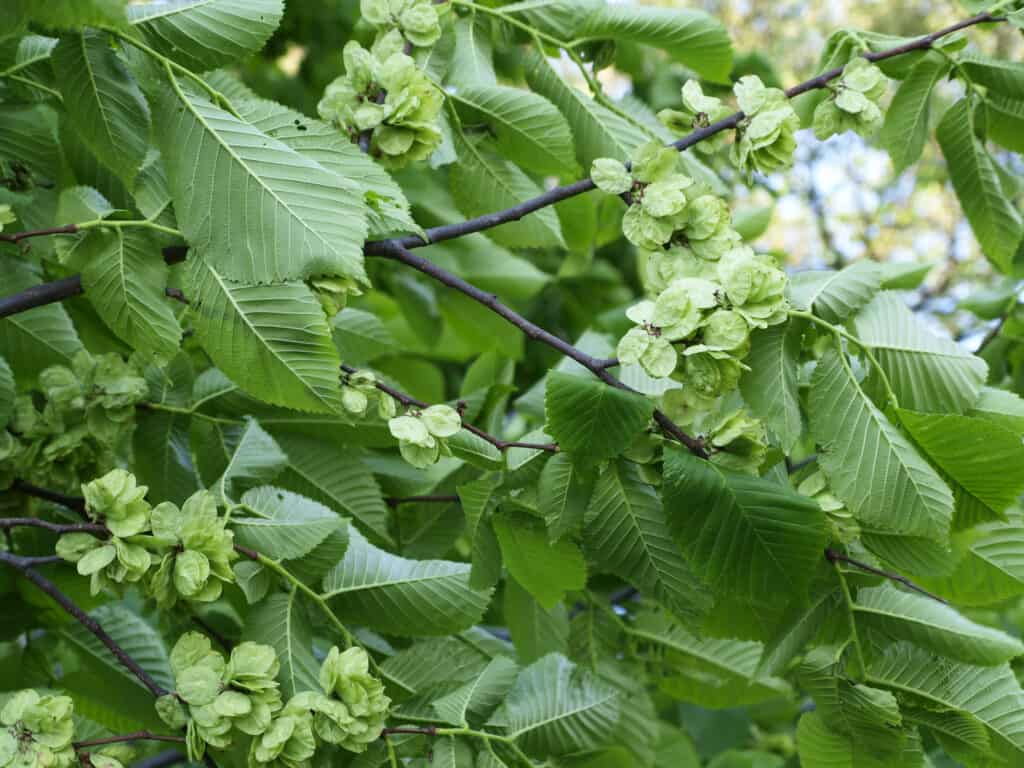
{"x":127,"y":737}
{"x":394,"y":501}
{"x":428,"y":730}
{"x":532,"y":330}
{"x":61,"y":289}
{"x":411,"y":402}
{"x":17,"y":237}
{"x":74,"y":503}
{"x":33,"y":522}
{"x":838,"y":557}
{"x":26,"y":567}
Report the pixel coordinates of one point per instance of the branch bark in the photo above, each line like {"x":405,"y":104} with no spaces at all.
{"x":26,"y":568}
{"x":838,"y":557}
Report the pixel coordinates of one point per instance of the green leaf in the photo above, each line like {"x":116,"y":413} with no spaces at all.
{"x":834,"y":296}
{"x":1005,"y":78}
{"x":927,"y":372}
{"x":990,"y":568}
{"x":871,"y":466}
{"x":562,"y":496}
{"x":272,"y":340}
{"x":282,"y":622}
{"x":821,"y":746}
{"x":563,"y":19}
{"x":227,"y":177}
{"x":556,"y":708}
{"x":711,"y":672}
{"x":535,"y":632}
{"x":1004,"y":121}
{"x":591,"y":420}
{"x":770,"y":386}
{"x":387,"y":209}
{"x":799,"y":626}
{"x":627,"y":534}
{"x":991,"y":694}
{"x":528,"y":128}
{"x":286,"y":525}
{"x":75,"y":14}
{"x":1000,"y":407}
{"x":337,"y":477}
{"x":473,"y":59}
{"x":7,"y":392}
{"x":103,"y":103}
{"x":597,"y":131}
{"x":124,"y":279}
{"x":995,"y":221}
{"x":36,"y":338}
{"x":163,"y":459}
{"x":690,"y":37}
{"x":932,"y":626}
{"x":360,"y":336}
{"x":745,"y":535}
{"x":751,"y":223}
{"x":206,"y":34}
{"x":402,"y":597}
{"x":483,"y":182}
{"x":905,"y":129}
{"x":478,"y":698}
{"x":478,"y":502}
{"x":984,"y":460}
{"x":546,"y":570}
{"x":256,"y":460}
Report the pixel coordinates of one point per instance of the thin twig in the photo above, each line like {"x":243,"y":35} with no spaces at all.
{"x":74,"y":503}
{"x":394,"y":501}
{"x":33,"y":522}
{"x":411,"y":402}
{"x":534,"y":331}
{"x":136,"y":736}
{"x":26,"y":567}
{"x":17,"y":237}
{"x":838,"y":557}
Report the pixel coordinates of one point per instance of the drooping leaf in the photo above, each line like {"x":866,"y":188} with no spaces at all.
{"x":985,"y":461}
{"x":933,"y":626}
{"x":226,"y":176}
{"x":282,"y":622}
{"x":546,"y":570}
{"x":402,"y":597}
{"x":906,"y":120}
{"x":535,"y":632}
{"x":627,"y":534}
{"x":483,"y":182}
{"x":597,"y":131}
{"x":206,"y":34}
{"x":872,"y":467}
{"x":991,"y":694}
{"x":283,"y":525}
{"x":528,"y":128}
{"x":336,"y":477}
{"x":711,"y":672}
{"x":479,"y":697}
{"x":124,"y":279}
{"x":990,"y":565}
{"x":478,"y":502}
{"x":927,"y":372}
{"x":591,"y":420}
{"x":36,"y":338}
{"x":996,"y":223}
{"x":272,"y":340}
{"x":563,"y":492}
{"x":999,"y":76}
{"x":256,"y":460}
{"x":770,"y":385}
{"x":689,"y":36}
{"x":7,"y":392}
{"x":745,"y":535}
{"x":834,"y":296}
{"x":473,"y":59}
{"x":557,"y":708}
{"x":821,"y":746}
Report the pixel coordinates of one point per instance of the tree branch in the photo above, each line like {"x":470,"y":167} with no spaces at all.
{"x":838,"y":557}
{"x":532,"y":330}
{"x":411,"y":402}
{"x":26,"y":568}
{"x":17,"y":237}
{"x":394,"y":501}
{"x":127,"y":737}
{"x":34,"y":522}
{"x":74,"y":503}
